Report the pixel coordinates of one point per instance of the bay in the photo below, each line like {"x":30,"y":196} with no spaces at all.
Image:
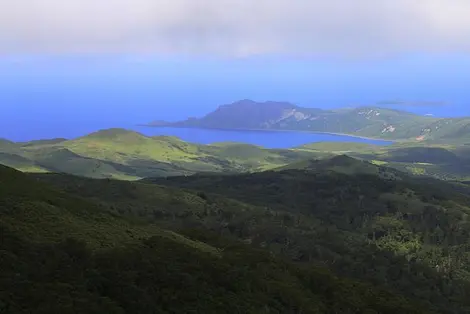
{"x":267,"y":139}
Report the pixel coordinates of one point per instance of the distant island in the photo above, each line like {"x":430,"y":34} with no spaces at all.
{"x":412,"y":103}
{"x":366,"y":121}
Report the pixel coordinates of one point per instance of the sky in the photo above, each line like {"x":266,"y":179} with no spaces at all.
{"x":101,"y":63}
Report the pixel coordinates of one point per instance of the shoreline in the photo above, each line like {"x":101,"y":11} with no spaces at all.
{"x":273,"y":130}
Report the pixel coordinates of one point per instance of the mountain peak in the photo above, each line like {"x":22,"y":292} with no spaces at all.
{"x":245,"y":114}
{"x":5,"y":142}
{"x":343,"y":164}
{"x":10,"y":176}
{"x":248,"y":104}
{"x":113,"y":133}
{"x":343,"y":160}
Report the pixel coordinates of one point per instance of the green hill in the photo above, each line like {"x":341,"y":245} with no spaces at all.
{"x":43,"y":142}
{"x":443,"y":161}
{"x":437,"y":155}
{"x":64,"y":252}
{"x":340,"y":147}
{"x":359,"y":224}
{"x":134,"y":149}
{"x":20,"y":163}
{"x":340,"y":164}
{"x":407,"y":236}
{"x":125,"y":154}
{"x":8,"y":146}
{"x":39,"y":212}
{"x":5,"y":143}
{"x":367,"y":121}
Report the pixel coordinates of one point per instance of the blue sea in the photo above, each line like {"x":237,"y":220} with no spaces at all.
{"x":73,"y":97}
{"x":268,"y":139}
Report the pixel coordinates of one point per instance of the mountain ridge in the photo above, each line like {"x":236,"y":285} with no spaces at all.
{"x":365,"y":121}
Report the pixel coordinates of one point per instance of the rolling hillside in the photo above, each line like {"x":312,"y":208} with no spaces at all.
{"x":125,"y":154}
{"x":422,"y":221}
{"x":438,"y":161}
{"x":128,"y":155}
{"x":403,"y":234}
{"x":76,"y":245}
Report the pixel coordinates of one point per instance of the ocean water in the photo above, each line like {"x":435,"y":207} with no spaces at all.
{"x":70,"y":97}
{"x":268,"y":139}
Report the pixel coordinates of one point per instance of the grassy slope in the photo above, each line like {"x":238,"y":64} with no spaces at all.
{"x":340,"y":147}
{"x":74,"y":253}
{"x":128,"y":155}
{"x":123,"y":154}
{"x":20,"y":163}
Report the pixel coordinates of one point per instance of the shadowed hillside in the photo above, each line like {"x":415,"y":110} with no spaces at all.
{"x":421,"y":222}
{"x":68,"y":248}
{"x":342,"y":164}
{"x":407,"y":235}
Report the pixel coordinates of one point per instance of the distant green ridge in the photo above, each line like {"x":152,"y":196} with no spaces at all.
{"x":366,"y":121}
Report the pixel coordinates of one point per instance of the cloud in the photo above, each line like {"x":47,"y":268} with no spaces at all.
{"x":344,"y":28}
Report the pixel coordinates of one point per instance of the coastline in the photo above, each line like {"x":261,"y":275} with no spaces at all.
{"x":273,"y":130}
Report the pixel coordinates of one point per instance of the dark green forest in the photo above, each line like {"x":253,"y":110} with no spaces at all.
{"x":292,"y":241}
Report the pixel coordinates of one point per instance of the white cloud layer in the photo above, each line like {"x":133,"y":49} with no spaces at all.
{"x":347,"y":28}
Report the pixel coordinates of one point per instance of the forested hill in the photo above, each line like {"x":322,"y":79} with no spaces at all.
{"x":312,"y":239}
{"x":76,"y":245}
{"x":367,"y":121}
{"x":386,"y":227}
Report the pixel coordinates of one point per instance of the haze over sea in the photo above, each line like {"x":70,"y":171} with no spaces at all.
{"x":45,"y":97}
{"x":68,"y":68}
